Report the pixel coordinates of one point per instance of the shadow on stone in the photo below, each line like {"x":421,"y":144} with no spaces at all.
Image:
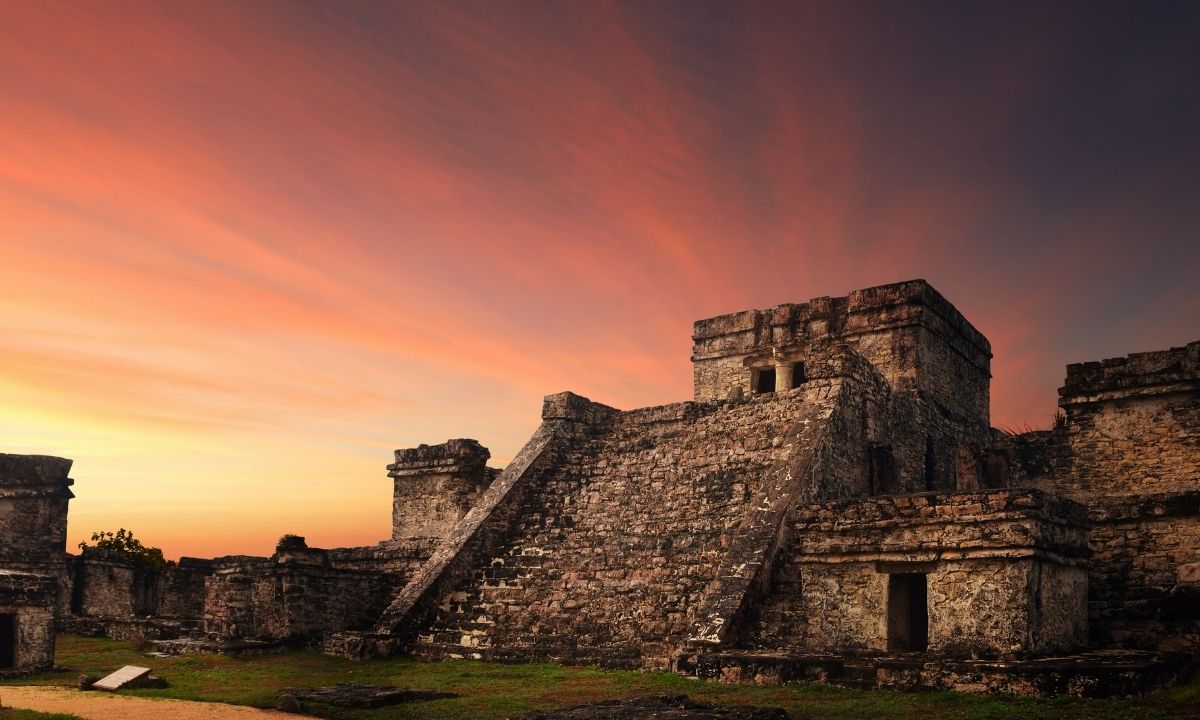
{"x":358,"y":695}
{"x":664,"y":707}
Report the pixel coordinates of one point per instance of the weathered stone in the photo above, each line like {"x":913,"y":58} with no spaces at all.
{"x":35,"y":578}
{"x":127,"y":676}
{"x":666,"y":707}
{"x":360,"y":695}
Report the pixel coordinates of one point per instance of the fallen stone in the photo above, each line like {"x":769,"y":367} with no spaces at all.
{"x":87,"y":681}
{"x":665,"y":707}
{"x":121,"y":678}
{"x":150,"y":682}
{"x":360,"y":695}
{"x":287,"y":703}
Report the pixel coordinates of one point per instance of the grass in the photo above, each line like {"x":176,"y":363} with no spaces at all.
{"x":15,"y":714}
{"x":489,"y":691}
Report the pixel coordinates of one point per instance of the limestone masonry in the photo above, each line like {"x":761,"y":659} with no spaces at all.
{"x":832,"y":505}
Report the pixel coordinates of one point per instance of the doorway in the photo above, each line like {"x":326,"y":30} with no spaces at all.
{"x":8,"y":640}
{"x":908,"y":613}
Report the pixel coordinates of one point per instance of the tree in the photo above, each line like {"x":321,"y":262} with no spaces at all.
{"x":123,"y":542}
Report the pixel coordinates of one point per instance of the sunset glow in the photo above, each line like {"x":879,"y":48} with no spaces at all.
{"x":248,"y":249}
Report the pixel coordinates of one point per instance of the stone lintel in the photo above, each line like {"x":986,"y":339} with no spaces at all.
{"x":21,"y":588}
{"x":1007,"y":523}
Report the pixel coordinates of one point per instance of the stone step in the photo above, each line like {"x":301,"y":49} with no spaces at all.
{"x":443,"y":651}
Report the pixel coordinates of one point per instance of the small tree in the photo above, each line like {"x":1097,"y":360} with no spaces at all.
{"x":123,"y":542}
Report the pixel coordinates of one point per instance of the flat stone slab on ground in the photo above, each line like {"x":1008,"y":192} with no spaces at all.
{"x":121,"y":678}
{"x":359,"y":695}
{"x":665,"y":707}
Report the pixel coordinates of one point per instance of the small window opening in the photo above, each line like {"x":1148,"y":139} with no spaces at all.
{"x":908,"y":613}
{"x":8,"y":640}
{"x":881,"y":470}
{"x":763,"y":380}
{"x":995,"y":469}
{"x":930,"y":465}
{"x":798,"y":377}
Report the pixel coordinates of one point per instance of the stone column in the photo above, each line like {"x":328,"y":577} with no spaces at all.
{"x":783,"y":375}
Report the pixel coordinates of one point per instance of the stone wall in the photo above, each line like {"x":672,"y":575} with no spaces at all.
{"x":300,"y":593}
{"x":435,"y":486}
{"x":1003,"y":571}
{"x":1132,"y":425}
{"x":27,"y":611}
{"x":34,"y":492}
{"x":1145,"y":572}
{"x":181,"y":589}
{"x":112,"y":586}
{"x":1128,"y":447}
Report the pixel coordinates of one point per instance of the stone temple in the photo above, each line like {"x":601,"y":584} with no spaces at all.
{"x":832,"y":505}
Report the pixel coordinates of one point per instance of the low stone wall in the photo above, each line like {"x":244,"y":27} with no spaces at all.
{"x":301,"y":593}
{"x":1145,"y":572}
{"x":1088,"y":674}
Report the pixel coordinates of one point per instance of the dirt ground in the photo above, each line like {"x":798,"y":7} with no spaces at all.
{"x":98,"y":705}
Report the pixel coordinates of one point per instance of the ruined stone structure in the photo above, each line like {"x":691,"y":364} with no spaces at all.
{"x":833,"y":504}
{"x":34,"y":571}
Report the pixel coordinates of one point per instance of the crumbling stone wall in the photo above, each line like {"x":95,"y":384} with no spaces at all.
{"x":110,"y":584}
{"x":181,"y":589}
{"x":1128,"y":447}
{"x":1005,"y":573}
{"x":300,"y":593}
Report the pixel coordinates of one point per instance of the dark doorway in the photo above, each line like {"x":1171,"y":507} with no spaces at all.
{"x":764,"y":380}
{"x":798,"y":377}
{"x":908,"y":613}
{"x":8,"y":640}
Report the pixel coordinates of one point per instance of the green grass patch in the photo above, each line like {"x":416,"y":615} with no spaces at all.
{"x":491,"y":691}
{"x":15,"y":714}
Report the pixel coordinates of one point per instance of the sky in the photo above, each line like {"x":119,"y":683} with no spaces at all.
{"x":249,"y":249}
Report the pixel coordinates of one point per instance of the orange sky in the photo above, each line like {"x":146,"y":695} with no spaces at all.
{"x":248,"y":249}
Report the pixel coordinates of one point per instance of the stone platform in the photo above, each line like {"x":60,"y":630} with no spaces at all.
{"x":1103,"y":673}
